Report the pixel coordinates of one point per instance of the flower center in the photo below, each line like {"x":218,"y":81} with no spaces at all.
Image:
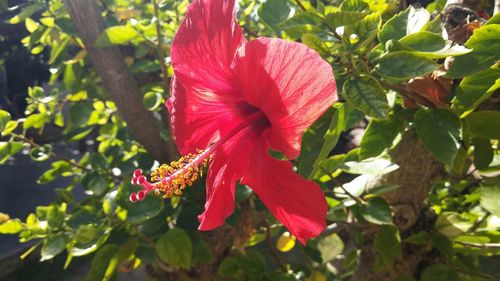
{"x":173,"y":178}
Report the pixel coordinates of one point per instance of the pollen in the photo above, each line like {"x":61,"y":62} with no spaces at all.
{"x":169,"y":180}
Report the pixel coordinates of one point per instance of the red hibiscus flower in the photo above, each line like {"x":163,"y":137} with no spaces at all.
{"x":231,"y":102}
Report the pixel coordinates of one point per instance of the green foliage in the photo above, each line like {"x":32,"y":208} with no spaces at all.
{"x":439,"y":131}
{"x":175,"y":248}
{"x":374,"y":49}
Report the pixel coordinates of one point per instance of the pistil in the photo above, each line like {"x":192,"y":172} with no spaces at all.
{"x":173,"y":178}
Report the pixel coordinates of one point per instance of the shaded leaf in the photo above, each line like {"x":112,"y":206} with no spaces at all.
{"x":439,"y":272}
{"x":272,"y":12}
{"x":366,"y":94}
{"x":52,"y":246}
{"x":377,"y":211}
{"x":379,"y":136}
{"x":388,"y":245}
{"x":330,"y":247}
{"x":474,"y":89}
{"x":404,"y":65}
{"x":490,"y":199}
{"x":485,"y":124}
{"x":175,"y":248}
{"x":439,"y":131}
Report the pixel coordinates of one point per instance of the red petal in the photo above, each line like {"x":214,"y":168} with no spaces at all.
{"x":296,"y":202}
{"x":290,"y":83}
{"x":205,"y":44}
{"x":200,"y":118}
{"x":227,"y":166}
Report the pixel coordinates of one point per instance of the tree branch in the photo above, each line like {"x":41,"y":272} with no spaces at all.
{"x":121,"y":85}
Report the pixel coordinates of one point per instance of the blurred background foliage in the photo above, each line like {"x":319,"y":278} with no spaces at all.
{"x":408,"y":158}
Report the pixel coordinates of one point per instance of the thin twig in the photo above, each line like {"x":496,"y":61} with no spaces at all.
{"x":476,"y":225}
{"x":479,"y":245}
{"x":272,"y":249}
{"x":62,"y":157}
{"x":301,"y":6}
{"x":161,"y":53}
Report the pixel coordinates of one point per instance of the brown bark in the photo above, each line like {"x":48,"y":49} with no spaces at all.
{"x":121,"y":85}
{"x":418,"y":171}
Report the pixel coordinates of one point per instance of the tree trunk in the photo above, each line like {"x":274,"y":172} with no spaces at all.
{"x":418,"y":170}
{"x":121,"y":85}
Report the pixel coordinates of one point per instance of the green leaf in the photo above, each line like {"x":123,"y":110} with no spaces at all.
{"x":439,"y":131}
{"x":432,"y":46}
{"x":379,"y":136}
{"x":424,"y":41}
{"x":36,"y":121}
{"x":483,"y":153}
{"x":443,"y":244}
{"x":10,"y":126}
{"x":152,"y":100}
{"x":95,"y":183}
{"x":354,"y":5}
{"x":31,"y":25}
{"x":4,"y":119}
{"x":341,"y":18}
{"x":79,"y":114}
{"x":439,"y":272}
{"x":116,"y":35}
{"x":395,"y":27}
{"x":100,"y":262}
{"x":86,"y":215}
{"x":230,"y":267}
{"x":312,"y":141}
{"x":435,"y":25}
{"x":253,"y":265}
{"x":485,"y":39}
{"x":7,"y":149}
{"x":371,"y":166}
{"x":388,"y":245}
{"x":72,"y":74}
{"x":365,"y":31}
{"x":377,"y":211}
{"x":52,"y":246}
{"x":471,"y":63}
{"x":175,"y":248}
{"x":451,"y":224}
{"x":272,"y":12}
{"x":403,"y":65}
{"x":485,"y":124}
{"x":42,"y":153}
{"x":11,"y":227}
{"x":366,"y":94}
{"x":486,"y":42}
{"x":202,"y":254}
{"x":301,"y":23}
{"x":331,"y":137}
{"x":26,"y":11}
{"x":330,"y":247}
{"x":495,"y":19}
{"x":474,"y":89}
{"x":138,"y":213}
{"x":58,"y":48}
{"x":316,"y":43}
{"x":490,"y":199}
{"x":78,"y":133}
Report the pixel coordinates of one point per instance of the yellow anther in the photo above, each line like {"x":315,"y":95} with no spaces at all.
{"x":173,"y":178}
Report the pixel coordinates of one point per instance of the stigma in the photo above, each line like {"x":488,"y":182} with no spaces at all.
{"x":169,"y":180}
